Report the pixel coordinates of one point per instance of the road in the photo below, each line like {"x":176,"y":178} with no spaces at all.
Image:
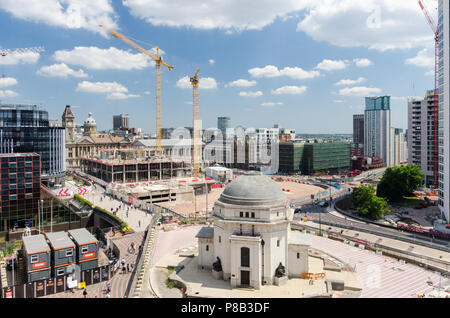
{"x":328,"y":215}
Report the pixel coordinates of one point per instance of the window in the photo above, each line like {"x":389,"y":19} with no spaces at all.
{"x":298,"y":255}
{"x":13,"y":197}
{"x":34,"y":258}
{"x":84,"y":249}
{"x":245,"y":257}
{"x":278,"y":243}
{"x":69,"y":253}
{"x":246,"y":214}
{"x":241,"y":214}
{"x":207,"y":248}
{"x":278,"y":213}
{"x":60,"y":271}
{"x":220,"y":239}
{"x":253,"y":215}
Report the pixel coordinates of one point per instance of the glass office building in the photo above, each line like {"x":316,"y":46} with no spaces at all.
{"x":25,"y":129}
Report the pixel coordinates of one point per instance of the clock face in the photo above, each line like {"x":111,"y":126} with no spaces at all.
{"x":69,"y":123}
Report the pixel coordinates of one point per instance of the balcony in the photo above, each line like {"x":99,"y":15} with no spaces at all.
{"x":248,"y":234}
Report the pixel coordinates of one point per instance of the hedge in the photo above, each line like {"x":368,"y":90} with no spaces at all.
{"x":123,"y":225}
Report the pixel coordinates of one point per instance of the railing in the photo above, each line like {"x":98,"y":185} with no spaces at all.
{"x":140,"y":269}
{"x":250,"y":234}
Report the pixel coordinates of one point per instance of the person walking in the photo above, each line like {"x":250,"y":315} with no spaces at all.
{"x":84,"y":292}
{"x":108,"y":295}
{"x":127,"y":213}
{"x":139,"y":223}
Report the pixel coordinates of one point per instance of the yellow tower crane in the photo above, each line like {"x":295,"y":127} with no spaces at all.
{"x":159,"y":62}
{"x":195,"y":128}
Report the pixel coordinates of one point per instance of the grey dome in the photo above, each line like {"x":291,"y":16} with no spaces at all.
{"x":253,"y":188}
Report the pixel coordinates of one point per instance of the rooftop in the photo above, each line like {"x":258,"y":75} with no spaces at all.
{"x":253,"y":189}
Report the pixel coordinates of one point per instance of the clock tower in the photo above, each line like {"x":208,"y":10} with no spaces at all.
{"x":68,"y":123}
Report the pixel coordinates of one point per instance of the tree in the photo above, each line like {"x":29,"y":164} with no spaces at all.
{"x":398,"y":182}
{"x":367,"y":203}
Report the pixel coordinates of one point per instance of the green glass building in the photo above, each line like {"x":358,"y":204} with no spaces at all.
{"x":314,"y":158}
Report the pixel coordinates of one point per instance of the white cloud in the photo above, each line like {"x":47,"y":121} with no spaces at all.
{"x":376,"y":24}
{"x":19,"y":57}
{"x":7,"y":93}
{"x":350,"y":82}
{"x":242,"y":83}
{"x":203,"y":83}
{"x":359,"y":91}
{"x":273,"y":71}
{"x":422,"y":59}
{"x":101,"y":87}
{"x":103,"y":59}
{"x":430,"y":73}
{"x":292,"y":90}
{"x":331,"y":65}
{"x":113,"y":90}
{"x":70,"y":14}
{"x":363,"y":62}
{"x":211,"y":61}
{"x":119,"y":95}
{"x":251,"y":94}
{"x":60,"y":70}
{"x":338,"y":101}
{"x":271,"y":104}
{"x":211,"y":14}
{"x":147,"y":93}
{"x":7,"y":81}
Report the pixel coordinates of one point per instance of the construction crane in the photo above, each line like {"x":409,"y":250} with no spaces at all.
{"x":159,"y":62}
{"x":435,"y":30}
{"x":195,"y":128}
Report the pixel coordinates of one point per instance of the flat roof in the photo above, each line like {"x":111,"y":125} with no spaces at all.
{"x":59,"y":240}
{"x":298,"y":238}
{"x":19,"y":154}
{"x":35,"y":244}
{"x":82,"y":236}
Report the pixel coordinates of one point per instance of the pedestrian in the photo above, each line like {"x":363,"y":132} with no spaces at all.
{"x":108,"y":295}
{"x":108,"y":287}
{"x":139,"y":223}
{"x":127,"y":213}
{"x":128,"y":267}
{"x":84,"y":293}
{"x":123,"y":262}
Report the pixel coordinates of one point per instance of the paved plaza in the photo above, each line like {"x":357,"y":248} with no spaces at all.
{"x":382,"y":277}
{"x":97,"y":196}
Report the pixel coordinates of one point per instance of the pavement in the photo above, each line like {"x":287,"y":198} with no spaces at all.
{"x":119,"y":281}
{"x":382,"y":277}
{"x":406,"y":247}
{"x":97,"y":196}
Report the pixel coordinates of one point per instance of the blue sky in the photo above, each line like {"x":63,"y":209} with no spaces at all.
{"x":287,"y":55}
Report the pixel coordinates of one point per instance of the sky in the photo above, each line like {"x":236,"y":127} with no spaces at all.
{"x":303,"y":64}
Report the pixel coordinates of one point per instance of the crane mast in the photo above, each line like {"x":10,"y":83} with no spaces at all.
{"x":158,"y":63}
{"x":195,"y":126}
{"x":435,"y":30}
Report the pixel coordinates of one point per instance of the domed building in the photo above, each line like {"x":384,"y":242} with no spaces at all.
{"x":90,"y":126}
{"x":251,"y":242}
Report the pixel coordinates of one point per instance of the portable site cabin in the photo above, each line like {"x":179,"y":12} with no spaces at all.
{"x":37,"y":257}
{"x":86,"y":248}
{"x":63,"y":252}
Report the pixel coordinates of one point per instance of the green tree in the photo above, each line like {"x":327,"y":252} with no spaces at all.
{"x":398,"y":182}
{"x":367,"y":203}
